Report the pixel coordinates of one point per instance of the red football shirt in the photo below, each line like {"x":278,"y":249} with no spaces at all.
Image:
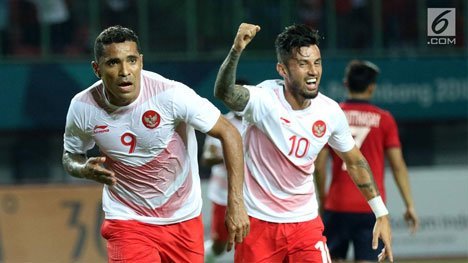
{"x":374,"y":131}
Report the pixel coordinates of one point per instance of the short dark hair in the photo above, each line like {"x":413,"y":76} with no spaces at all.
{"x":359,"y":74}
{"x":292,"y":38}
{"x":113,"y":34}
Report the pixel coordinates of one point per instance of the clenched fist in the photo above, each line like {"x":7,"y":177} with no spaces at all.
{"x":245,"y":34}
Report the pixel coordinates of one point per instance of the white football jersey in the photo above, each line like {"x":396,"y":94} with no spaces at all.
{"x":149,"y":144}
{"x":281,"y":145}
{"x":217,"y":188}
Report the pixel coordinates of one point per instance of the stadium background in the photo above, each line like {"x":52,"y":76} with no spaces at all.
{"x":45,"y":54}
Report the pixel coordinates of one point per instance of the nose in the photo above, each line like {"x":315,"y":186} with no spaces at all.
{"x":124,"y":70}
{"x":313,"y":70}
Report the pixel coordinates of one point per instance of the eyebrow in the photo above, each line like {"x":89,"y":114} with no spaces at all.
{"x":116,"y":59}
{"x":132,"y":56}
{"x":112,"y":60}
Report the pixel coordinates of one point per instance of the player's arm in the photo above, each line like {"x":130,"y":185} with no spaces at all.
{"x":362,"y":176}
{"x":400,"y":174}
{"x":234,"y":96}
{"x":360,"y":172}
{"x":320,"y":174}
{"x":237,"y":220}
{"x":78,"y":165}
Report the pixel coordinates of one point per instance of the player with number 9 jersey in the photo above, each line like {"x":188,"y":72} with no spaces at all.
{"x":143,"y":125}
{"x":149,"y":147}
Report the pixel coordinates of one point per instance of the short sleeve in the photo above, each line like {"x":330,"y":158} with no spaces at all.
{"x":75,"y":138}
{"x":257,"y":107}
{"x":341,"y":138}
{"x":193,"y":109}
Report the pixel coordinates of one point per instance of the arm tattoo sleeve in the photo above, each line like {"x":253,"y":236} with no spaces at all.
{"x":369,"y":186}
{"x":234,"y":96}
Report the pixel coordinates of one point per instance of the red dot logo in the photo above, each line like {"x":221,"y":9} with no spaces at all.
{"x":151,"y":119}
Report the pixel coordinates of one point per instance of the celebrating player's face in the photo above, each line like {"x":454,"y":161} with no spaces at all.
{"x":120,"y":70}
{"x":304,"y":72}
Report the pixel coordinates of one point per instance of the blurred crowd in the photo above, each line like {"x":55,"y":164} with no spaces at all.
{"x":63,"y":26}
{"x":30,"y":28}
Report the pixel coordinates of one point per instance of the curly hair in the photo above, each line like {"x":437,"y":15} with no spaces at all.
{"x":113,"y":34}
{"x":292,"y":38}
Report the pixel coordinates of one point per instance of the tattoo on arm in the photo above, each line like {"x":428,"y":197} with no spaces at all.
{"x":234,"y":96}
{"x":72,"y":163}
{"x":368,"y":186}
{"x":238,"y":98}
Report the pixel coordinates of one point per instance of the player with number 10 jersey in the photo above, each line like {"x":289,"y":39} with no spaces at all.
{"x":283,"y":145}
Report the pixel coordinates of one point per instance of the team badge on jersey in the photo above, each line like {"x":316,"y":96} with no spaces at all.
{"x":151,"y":119}
{"x":319,"y":128}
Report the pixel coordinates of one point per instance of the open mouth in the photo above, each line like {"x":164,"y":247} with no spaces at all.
{"x":126,"y":86}
{"x":123,"y":84}
{"x":312,"y":82}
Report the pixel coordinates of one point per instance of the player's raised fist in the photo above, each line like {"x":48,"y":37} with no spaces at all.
{"x":245,"y":34}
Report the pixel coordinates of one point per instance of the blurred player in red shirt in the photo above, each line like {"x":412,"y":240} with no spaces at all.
{"x":347,"y":215}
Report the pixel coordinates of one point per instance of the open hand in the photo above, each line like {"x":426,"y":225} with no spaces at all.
{"x":94,"y":170}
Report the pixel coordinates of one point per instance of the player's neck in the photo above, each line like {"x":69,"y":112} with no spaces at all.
{"x":360,"y":96}
{"x":296,"y":101}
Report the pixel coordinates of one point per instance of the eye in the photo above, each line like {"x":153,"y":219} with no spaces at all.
{"x":111,"y":62}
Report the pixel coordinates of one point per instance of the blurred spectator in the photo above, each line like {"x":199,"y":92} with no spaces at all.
{"x":268,"y":15}
{"x":399,"y":23}
{"x":310,"y":12}
{"x":80,"y":44}
{"x":119,"y":12}
{"x":55,"y":15}
{"x":30,"y":17}
{"x":353,"y":18}
{"x":25,"y":29}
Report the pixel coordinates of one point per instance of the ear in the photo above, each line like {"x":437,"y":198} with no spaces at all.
{"x":345,"y":83}
{"x":281,"y":69}
{"x":371,"y":88}
{"x":95,"y":66}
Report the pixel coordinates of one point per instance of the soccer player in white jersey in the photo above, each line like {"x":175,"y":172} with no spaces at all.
{"x":143,"y":125}
{"x":289,"y":121}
